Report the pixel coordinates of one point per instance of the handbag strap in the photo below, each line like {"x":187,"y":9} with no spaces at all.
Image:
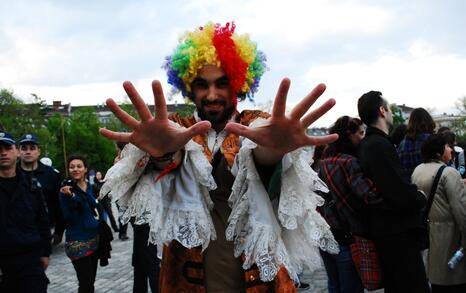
{"x":433,"y":189}
{"x":96,"y":206}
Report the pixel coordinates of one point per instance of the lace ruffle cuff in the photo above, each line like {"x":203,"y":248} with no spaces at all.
{"x":288,"y":233}
{"x":177,"y":206}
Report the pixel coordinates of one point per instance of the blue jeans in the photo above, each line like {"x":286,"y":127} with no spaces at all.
{"x":341,"y":272}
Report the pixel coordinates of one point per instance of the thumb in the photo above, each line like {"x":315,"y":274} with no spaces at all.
{"x":238,"y":129}
{"x":199,"y":128}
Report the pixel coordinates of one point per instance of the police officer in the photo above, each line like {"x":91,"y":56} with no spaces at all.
{"x":24,"y":227}
{"x":49,"y":180}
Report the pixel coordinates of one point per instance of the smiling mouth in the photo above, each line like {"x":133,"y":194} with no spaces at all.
{"x":213,"y":107}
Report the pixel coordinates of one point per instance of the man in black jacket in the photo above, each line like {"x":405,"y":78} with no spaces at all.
{"x":395,"y":223}
{"x":24,"y":227}
{"x":48,"y":177}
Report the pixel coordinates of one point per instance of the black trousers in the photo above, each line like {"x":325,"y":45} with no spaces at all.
{"x":145,"y":262}
{"x":86,"y":270}
{"x":401,"y":261}
{"x":107,"y":205}
{"x":22,"y":274}
{"x":449,"y":289}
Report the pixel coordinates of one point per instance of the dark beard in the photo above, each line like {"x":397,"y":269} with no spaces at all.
{"x":215,"y":118}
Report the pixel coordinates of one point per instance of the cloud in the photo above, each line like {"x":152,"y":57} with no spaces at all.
{"x":295,"y":22}
{"x":81,"y":51}
{"x":420,"y":76}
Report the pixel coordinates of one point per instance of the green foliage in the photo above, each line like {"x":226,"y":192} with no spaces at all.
{"x":19,"y":118}
{"x":459,"y":125}
{"x":82,"y":136}
{"x":397,"y":116}
{"x":58,"y":135}
{"x":61,"y":135}
{"x":186,"y":109}
{"x":114,"y":124}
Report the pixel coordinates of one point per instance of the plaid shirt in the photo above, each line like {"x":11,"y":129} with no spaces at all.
{"x":409,"y":152}
{"x":350,"y":192}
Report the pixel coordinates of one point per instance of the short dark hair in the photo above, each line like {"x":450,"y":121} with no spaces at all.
{"x":433,"y":147}
{"x":450,"y":137}
{"x":398,"y":134}
{"x":76,"y":157}
{"x":419,"y":122}
{"x":368,"y":106}
{"x":344,"y":126}
{"x":443,"y":129}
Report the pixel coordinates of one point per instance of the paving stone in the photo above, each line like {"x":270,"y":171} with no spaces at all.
{"x":117,"y":277}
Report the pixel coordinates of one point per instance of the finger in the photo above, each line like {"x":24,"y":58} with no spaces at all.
{"x":159,"y":100}
{"x":279,"y":105}
{"x":317,"y":113}
{"x":241,"y":130}
{"x":116,"y":136}
{"x":138,"y":102}
{"x":124,"y":117}
{"x":301,"y":108}
{"x":200,"y":127}
{"x":320,"y":140}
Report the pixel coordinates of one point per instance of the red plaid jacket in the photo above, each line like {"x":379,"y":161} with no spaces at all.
{"x":345,"y":205}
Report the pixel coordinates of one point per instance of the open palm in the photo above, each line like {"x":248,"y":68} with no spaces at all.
{"x":282,"y":132}
{"x":154,"y":134}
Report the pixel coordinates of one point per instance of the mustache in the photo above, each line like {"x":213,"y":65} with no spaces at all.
{"x":206,"y":102}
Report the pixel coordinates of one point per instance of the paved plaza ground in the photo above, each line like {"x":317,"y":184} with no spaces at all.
{"x":118,"y":275}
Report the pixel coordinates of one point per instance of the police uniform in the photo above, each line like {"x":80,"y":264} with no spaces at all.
{"x":24,"y":236}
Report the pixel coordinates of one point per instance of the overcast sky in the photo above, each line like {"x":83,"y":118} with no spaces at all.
{"x":414,"y":52}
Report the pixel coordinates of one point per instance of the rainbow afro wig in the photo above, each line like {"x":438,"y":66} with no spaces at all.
{"x":217,"y":45}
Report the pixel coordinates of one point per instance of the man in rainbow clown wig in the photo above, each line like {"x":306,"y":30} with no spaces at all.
{"x":229,"y":197}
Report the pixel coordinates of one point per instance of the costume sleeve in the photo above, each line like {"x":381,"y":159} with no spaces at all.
{"x":285,"y":232}
{"x":176,"y":206}
{"x":383,"y":165}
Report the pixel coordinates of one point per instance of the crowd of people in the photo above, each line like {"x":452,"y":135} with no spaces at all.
{"x":38,"y":207}
{"x":228,"y":201}
{"x":379,"y":187}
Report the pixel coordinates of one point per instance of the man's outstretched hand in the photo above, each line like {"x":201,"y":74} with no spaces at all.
{"x":286,"y":132}
{"x":153,"y":134}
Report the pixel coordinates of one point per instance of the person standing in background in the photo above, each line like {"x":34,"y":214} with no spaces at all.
{"x":105,"y":201}
{"x":447,"y":216}
{"x":48,"y":177}
{"x":395,"y":225}
{"x":79,"y":208}
{"x":346,"y":204}
{"x":420,"y":127}
{"x":24,"y":227}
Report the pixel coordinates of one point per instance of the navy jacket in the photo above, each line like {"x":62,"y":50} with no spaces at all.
{"x":81,"y":224}
{"x":24,"y":225}
{"x":50,"y":182}
{"x":402,"y":206}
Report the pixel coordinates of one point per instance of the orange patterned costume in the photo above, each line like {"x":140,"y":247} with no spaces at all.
{"x":182,"y":268}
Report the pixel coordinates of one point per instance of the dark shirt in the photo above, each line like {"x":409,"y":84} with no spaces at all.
{"x":345,"y":208}
{"x":409,"y":152}
{"x":402,"y":202}
{"x":24,"y":225}
{"x":50,"y":182}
